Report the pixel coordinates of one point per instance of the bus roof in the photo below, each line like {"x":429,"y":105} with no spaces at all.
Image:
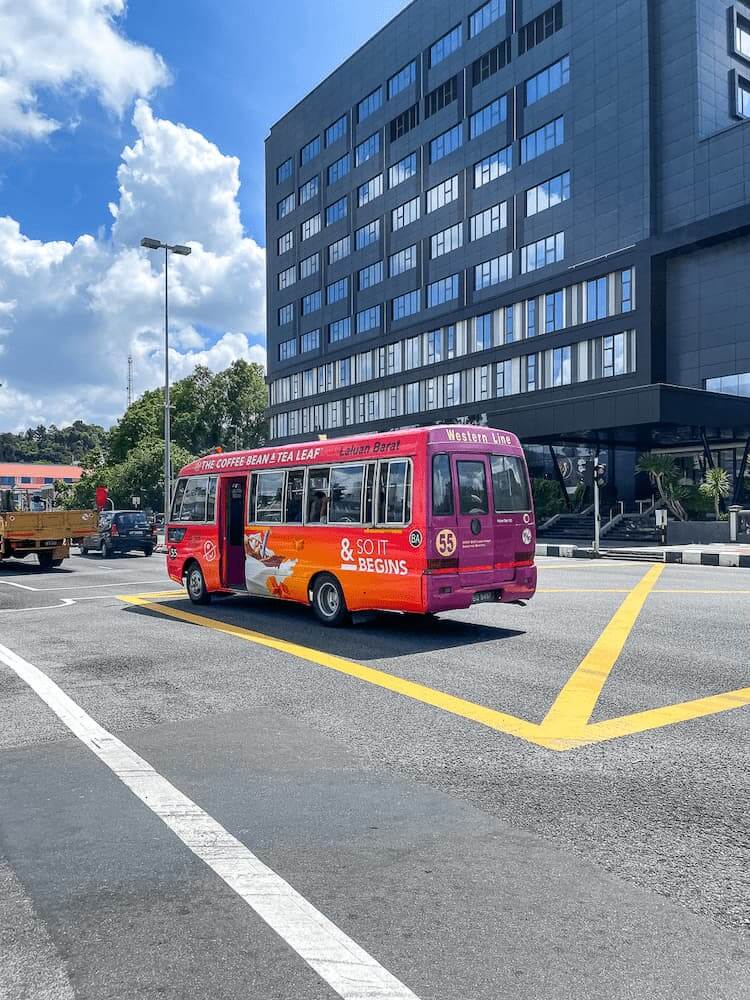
{"x":364,"y":446}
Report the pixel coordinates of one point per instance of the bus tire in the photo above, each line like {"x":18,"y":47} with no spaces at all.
{"x":328,"y":601}
{"x":195,"y":584}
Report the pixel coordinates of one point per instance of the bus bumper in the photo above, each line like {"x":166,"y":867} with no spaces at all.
{"x":451,"y":593}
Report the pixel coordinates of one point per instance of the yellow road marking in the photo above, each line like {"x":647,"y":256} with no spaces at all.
{"x":566,"y":725}
{"x":577,"y":700}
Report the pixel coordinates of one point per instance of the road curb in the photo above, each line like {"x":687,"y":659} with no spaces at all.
{"x":691,"y":557}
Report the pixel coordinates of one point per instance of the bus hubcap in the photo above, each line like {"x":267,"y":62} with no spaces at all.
{"x":195,"y":583}
{"x":328,"y":599}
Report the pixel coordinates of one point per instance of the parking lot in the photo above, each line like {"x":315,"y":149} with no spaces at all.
{"x":538,"y":802}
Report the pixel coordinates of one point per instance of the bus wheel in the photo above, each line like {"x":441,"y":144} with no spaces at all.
{"x":328,"y":601}
{"x":196,"y":585}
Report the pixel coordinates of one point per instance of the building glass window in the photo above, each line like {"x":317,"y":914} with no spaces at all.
{"x":483,"y":332}
{"x":369,"y":191}
{"x":492,"y":272}
{"x":548,"y":194}
{"x":340,"y":330}
{"x":405,"y":214}
{"x":627,"y":290}
{"x":367,"y":234}
{"x":371,"y":275}
{"x":531,"y":373}
{"x":404,"y":123}
{"x":742,"y":37}
{"x":485,"y":16}
{"x":337,"y":211}
{"x":339,"y":250}
{"x":340,"y":168}
{"x":596,"y":299}
{"x":541,"y":28}
{"x":403,"y":79}
{"x":285,"y":206}
{"x":543,"y":139}
{"x":311,"y":303}
{"x":337,"y":291}
{"x":488,"y":117}
{"x":491,"y":62}
{"x":310,"y":150}
{"x":286,"y":242}
{"x":531,"y":330}
{"x":285,"y":171}
{"x":441,"y":97}
{"x":542,"y":253}
{"x":613,"y":356}
{"x":406,"y":305}
{"x":309,"y":266}
{"x":402,"y":261}
{"x":434,"y":347}
{"x":309,"y":190}
{"x":310,"y":341}
{"x":561,"y":366}
{"x":336,"y":131}
{"x":310,"y":227}
{"x":743,"y":97}
{"x":368,"y":319}
{"x":367,"y":149}
{"x":446,"y":143}
{"x":547,"y":81}
{"x":442,"y":194}
{"x":447,"y":241}
{"x":402,"y":170}
{"x":489,"y":221}
{"x":554,"y":312}
{"x":370,"y":104}
{"x":733,"y":385}
{"x":287,"y":349}
{"x":510,"y":333}
{"x":287,"y":278}
{"x":444,"y":46}
{"x":493,"y":166}
{"x":440,"y":292}
{"x":286,"y":314}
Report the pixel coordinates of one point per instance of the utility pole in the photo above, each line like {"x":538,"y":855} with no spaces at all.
{"x":130,"y":380}
{"x":597,"y":509}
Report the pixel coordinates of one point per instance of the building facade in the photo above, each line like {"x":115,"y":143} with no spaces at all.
{"x":28,"y":474}
{"x":530,"y":214}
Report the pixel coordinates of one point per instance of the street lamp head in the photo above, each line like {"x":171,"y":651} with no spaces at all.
{"x":181,"y":250}
{"x":150,"y":244}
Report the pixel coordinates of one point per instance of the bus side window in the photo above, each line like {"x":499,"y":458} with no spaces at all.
{"x":346,"y":494}
{"x":211,"y":503}
{"x":442,"y":486}
{"x":369,"y":494}
{"x":194,"y":501}
{"x":179,"y":493}
{"x":394,"y":492}
{"x":295,"y":494}
{"x":270,"y":490}
{"x":318,"y":489}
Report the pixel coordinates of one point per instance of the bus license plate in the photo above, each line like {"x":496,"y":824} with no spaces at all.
{"x":485,"y":597}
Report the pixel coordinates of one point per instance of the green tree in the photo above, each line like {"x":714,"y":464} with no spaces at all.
{"x":664,"y":475}
{"x":143,"y":420}
{"x":142,"y":474}
{"x":716,"y":487}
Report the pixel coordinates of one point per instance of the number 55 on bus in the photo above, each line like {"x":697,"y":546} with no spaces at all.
{"x":419,"y":521}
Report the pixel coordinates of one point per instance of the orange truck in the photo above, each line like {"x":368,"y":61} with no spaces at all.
{"x":47,"y":534}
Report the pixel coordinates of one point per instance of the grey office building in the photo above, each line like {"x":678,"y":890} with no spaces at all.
{"x":530,"y":214}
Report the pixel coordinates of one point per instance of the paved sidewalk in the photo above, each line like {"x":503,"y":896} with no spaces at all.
{"x":693,"y":555}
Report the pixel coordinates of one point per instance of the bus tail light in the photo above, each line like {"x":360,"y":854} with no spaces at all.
{"x":442,"y":565}
{"x":177,"y":534}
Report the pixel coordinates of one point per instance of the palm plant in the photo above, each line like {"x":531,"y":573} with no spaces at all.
{"x":665,"y":476}
{"x":716,"y":487}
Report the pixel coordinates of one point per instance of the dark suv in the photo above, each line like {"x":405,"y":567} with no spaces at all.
{"x":121,"y":531}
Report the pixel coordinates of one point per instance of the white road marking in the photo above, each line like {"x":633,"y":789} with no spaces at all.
{"x":95,"y":586}
{"x":21,"y":586}
{"x":65,"y":602}
{"x":337,"y":959}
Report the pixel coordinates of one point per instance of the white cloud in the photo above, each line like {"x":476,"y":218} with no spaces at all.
{"x":70,"y":313}
{"x":75,"y":45}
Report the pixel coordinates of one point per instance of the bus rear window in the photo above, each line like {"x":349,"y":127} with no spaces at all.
{"x":442,"y":486}
{"x":509,"y":484}
{"x":472,"y":487}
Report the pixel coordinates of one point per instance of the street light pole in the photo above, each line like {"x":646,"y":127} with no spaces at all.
{"x":182,"y":251}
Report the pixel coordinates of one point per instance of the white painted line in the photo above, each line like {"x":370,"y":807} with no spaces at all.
{"x":95,"y":586}
{"x":65,"y":602}
{"x":21,"y":586}
{"x":336,"y":958}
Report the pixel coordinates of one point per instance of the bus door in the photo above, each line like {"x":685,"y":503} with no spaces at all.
{"x":474,"y":522}
{"x":515,"y":532}
{"x":233,"y":541}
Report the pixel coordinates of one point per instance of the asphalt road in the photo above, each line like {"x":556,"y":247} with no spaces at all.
{"x":470,"y":851}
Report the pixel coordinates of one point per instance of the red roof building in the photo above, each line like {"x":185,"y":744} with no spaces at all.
{"x":23,"y":474}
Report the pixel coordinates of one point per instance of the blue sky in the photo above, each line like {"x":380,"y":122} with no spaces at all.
{"x":236,"y":67}
{"x":121,"y":119}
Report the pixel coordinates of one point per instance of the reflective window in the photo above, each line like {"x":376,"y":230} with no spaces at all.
{"x":370,"y":104}
{"x":340,"y":168}
{"x":404,"y":123}
{"x":295,"y":495}
{"x":472,"y":487}
{"x":310,"y":341}
{"x":367,"y":149}
{"x":402,"y":261}
{"x":488,"y":117}
{"x":547,"y":137}
{"x":485,"y":16}
{"x":367,"y":234}
{"x":370,"y":190}
{"x":371,"y":275}
{"x":317,"y":496}
{"x":442,"y":486}
{"x":337,"y":211}
{"x":541,"y":28}
{"x":441,"y":97}
{"x":596,"y":299}
{"x":447,"y":241}
{"x":285,"y":206}
{"x":405,"y":214}
{"x":368,"y":319}
{"x":489,"y":221}
{"x":394,"y":492}
{"x":309,"y":190}
{"x":346,"y":494}
{"x":493,"y":166}
{"x":336,"y":131}
{"x":340,"y":249}
{"x":442,"y":291}
{"x":310,"y":150}
{"x":547,"y":81}
{"x":444,"y":46}
{"x":542,"y":253}
{"x":337,"y":291}
{"x":492,"y":272}
{"x":446,"y":143}
{"x":548,"y":194}
{"x":194,"y":501}
{"x":309,"y":266}
{"x":406,"y":305}
{"x":286,"y":242}
{"x":287,"y":349}
{"x":179,"y":493}
{"x":442,"y":194}
{"x":286,"y":314}
{"x":287,"y":278}
{"x":403,"y":79}
{"x":402,"y":170}
{"x":509,"y":484}
{"x":285,"y":171}
{"x":491,"y":62}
